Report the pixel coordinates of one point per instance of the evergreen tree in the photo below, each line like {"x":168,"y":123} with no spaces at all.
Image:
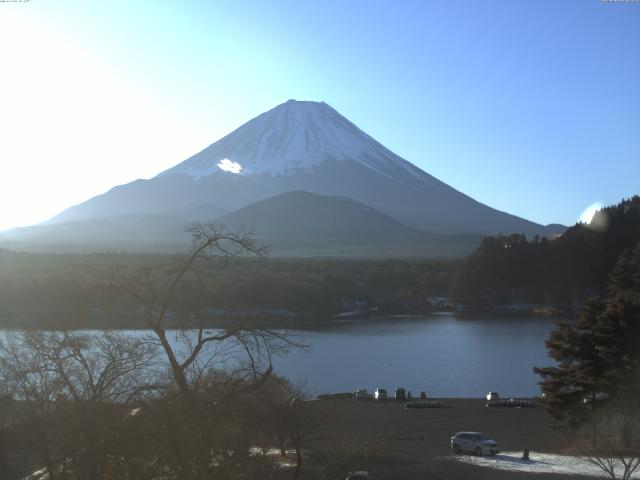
{"x":598,"y":356}
{"x":618,"y":330}
{"x":574,"y":389}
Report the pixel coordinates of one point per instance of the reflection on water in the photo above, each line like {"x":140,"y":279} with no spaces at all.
{"x":443,"y":355}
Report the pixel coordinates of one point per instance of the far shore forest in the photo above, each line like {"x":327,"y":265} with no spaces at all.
{"x":505,"y":274}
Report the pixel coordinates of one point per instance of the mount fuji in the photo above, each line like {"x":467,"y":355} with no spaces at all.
{"x":298,"y":146}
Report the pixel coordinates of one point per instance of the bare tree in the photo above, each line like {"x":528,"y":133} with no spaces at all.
{"x":270,"y":409}
{"x":304,"y":424}
{"x":195,"y":350}
{"x":9,"y":467}
{"x":352,"y":454}
{"x":211,"y":368}
{"x":74,"y":392}
{"x":618,"y":450}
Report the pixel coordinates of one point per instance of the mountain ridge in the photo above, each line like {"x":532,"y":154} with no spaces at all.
{"x":299,"y":146}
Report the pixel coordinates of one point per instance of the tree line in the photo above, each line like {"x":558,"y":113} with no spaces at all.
{"x":563,"y":272}
{"x":73,"y":290}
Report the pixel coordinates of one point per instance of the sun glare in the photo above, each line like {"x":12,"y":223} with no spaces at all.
{"x":94,"y":128}
{"x":589,"y":212}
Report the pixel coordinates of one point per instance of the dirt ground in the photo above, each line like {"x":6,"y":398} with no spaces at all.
{"x":392,"y":442}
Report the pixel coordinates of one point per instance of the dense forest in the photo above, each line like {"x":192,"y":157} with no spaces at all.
{"x":75,"y":290}
{"x":563,"y":272}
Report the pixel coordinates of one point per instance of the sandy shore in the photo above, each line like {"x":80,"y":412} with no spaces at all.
{"x":414,"y":443}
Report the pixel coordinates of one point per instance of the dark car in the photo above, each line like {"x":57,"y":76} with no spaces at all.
{"x":359,"y":475}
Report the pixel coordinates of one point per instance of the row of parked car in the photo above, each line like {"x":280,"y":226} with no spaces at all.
{"x":494,"y":400}
{"x":400,"y":394}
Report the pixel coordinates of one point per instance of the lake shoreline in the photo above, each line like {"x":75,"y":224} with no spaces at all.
{"x":302,"y":322}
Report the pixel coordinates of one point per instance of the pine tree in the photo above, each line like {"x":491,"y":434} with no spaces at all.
{"x":598,"y":356}
{"x":573,"y":389}
{"x":618,"y":331}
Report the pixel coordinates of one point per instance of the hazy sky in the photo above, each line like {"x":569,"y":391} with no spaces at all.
{"x":529,"y":107}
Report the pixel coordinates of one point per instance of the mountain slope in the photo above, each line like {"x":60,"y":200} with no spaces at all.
{"x":304,"y":146}
{"x":127,"y":232}
{"x":302,"y":223}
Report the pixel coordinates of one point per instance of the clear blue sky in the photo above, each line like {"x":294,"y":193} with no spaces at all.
{"x":529,"y":107}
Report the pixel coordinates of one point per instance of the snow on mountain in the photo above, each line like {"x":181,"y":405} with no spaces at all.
{"x":294,"y":136}
{"x":300,"y":146}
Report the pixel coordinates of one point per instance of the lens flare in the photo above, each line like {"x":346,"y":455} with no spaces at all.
{"x":589,"y":212}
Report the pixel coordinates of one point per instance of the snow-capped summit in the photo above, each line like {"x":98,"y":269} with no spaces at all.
{"x":294,"y":136}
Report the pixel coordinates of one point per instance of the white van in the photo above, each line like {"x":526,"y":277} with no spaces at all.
{"x":380,"y":394}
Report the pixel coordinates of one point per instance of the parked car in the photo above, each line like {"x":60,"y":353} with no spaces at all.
{"x":362,"y":394}
{"x":491,"y":396}
{"x":511,"y":402}
{"x":401,"y":394}
{"x":380,"y":394}
{"x":358,"y":475}
{"x":474,"y":442}
{"x":597,"y":397}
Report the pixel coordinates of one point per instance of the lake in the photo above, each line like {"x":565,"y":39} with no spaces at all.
{"x":443,"y":355}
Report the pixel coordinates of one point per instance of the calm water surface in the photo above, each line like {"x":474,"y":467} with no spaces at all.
{"x":444,"y":355}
